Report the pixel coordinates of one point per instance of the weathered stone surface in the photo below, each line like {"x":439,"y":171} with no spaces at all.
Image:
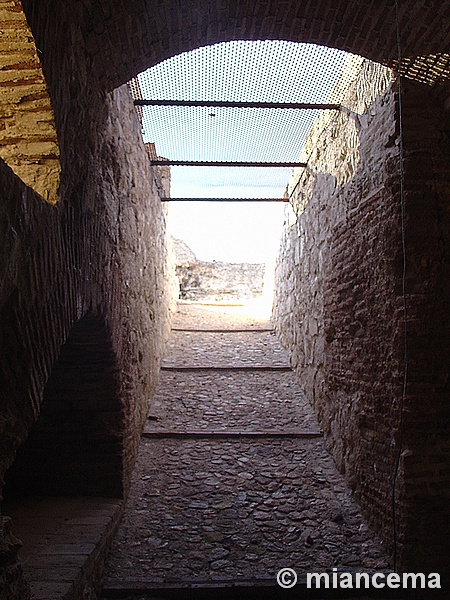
{"x":339,"y":305}
{"x":334,"y":308}
{"x":183,"y":254}
{"x":122,"y":40}
{"x":215,"y":281}
{"x":28,"y":140}
{"x":54,"y":278}
{"x":65,"y":541}
{"x":196,"y":316}
{"x":218,"y":349}
{"x":102,"y":253}
{"x":246,"y":401}
{"x":12,"y":582}
{"x":260,"y":504}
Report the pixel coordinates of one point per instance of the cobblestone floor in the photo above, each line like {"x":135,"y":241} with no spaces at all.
{"x":206,"y":316}
{"x":253,"y":401}
{"x":217,"y":349}
{"x":239,"y":509}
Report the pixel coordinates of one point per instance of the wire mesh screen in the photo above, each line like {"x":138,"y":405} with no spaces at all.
{"x":226,"y":134}
{"x":264,"y":71}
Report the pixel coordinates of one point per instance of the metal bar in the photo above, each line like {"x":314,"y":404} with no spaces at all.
{"x":212,"y":163}
{"x":224,"y":200}
{"x":227,"y":104}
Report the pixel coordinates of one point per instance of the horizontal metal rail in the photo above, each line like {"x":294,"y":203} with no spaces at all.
{"x":232,"y":104}
{"x":224,"y":200}
{"x":212,"y":163}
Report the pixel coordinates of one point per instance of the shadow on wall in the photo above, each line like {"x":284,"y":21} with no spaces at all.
{"x":75,"y":447}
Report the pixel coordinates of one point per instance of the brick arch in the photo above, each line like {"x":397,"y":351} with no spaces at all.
{"x":75,"y":446}
{"x":123,"y":39}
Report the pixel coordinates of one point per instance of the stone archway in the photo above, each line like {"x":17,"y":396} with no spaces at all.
{"x":121,"y":40}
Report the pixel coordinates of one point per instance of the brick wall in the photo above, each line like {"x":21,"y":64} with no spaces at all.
{"x":425,"y":491}
{"x":339,"y":309}
{"x":28,"y":140}
{"x":101,"y":251}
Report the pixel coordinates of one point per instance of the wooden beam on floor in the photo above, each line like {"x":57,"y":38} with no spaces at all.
{"x":192,"y":330}
{"x":229,"y":368}
{"x":231,"y":433}
{"x":259,"y":589}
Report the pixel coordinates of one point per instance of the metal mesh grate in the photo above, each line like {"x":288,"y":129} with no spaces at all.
{"x":264,"y":71}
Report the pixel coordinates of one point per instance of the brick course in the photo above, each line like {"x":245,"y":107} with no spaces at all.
{"x":122,"y":40}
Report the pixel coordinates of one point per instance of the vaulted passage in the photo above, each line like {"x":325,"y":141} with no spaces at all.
{"x":361,"y":303}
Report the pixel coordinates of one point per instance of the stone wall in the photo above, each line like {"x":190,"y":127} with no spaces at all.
{"x":98,"y":257}
{"x":216,"y":281}
{"x":424,"y":492}
{"x":28,"y":140}
{"x":339,"y":304}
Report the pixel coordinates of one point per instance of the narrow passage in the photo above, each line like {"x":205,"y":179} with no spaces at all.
{"x":233,"y":481}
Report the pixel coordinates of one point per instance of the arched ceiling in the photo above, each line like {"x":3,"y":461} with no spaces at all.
{"x":116,"y":40}
{"x":125,"y":38}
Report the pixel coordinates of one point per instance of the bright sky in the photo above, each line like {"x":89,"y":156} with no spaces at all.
{"x":270,"y":71}
{"x":228,"y":232}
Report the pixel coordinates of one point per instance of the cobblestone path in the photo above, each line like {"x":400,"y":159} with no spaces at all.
{"x":233,"y":481}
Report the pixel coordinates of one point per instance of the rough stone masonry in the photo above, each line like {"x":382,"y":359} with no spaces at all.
{"x":341,"y":297}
